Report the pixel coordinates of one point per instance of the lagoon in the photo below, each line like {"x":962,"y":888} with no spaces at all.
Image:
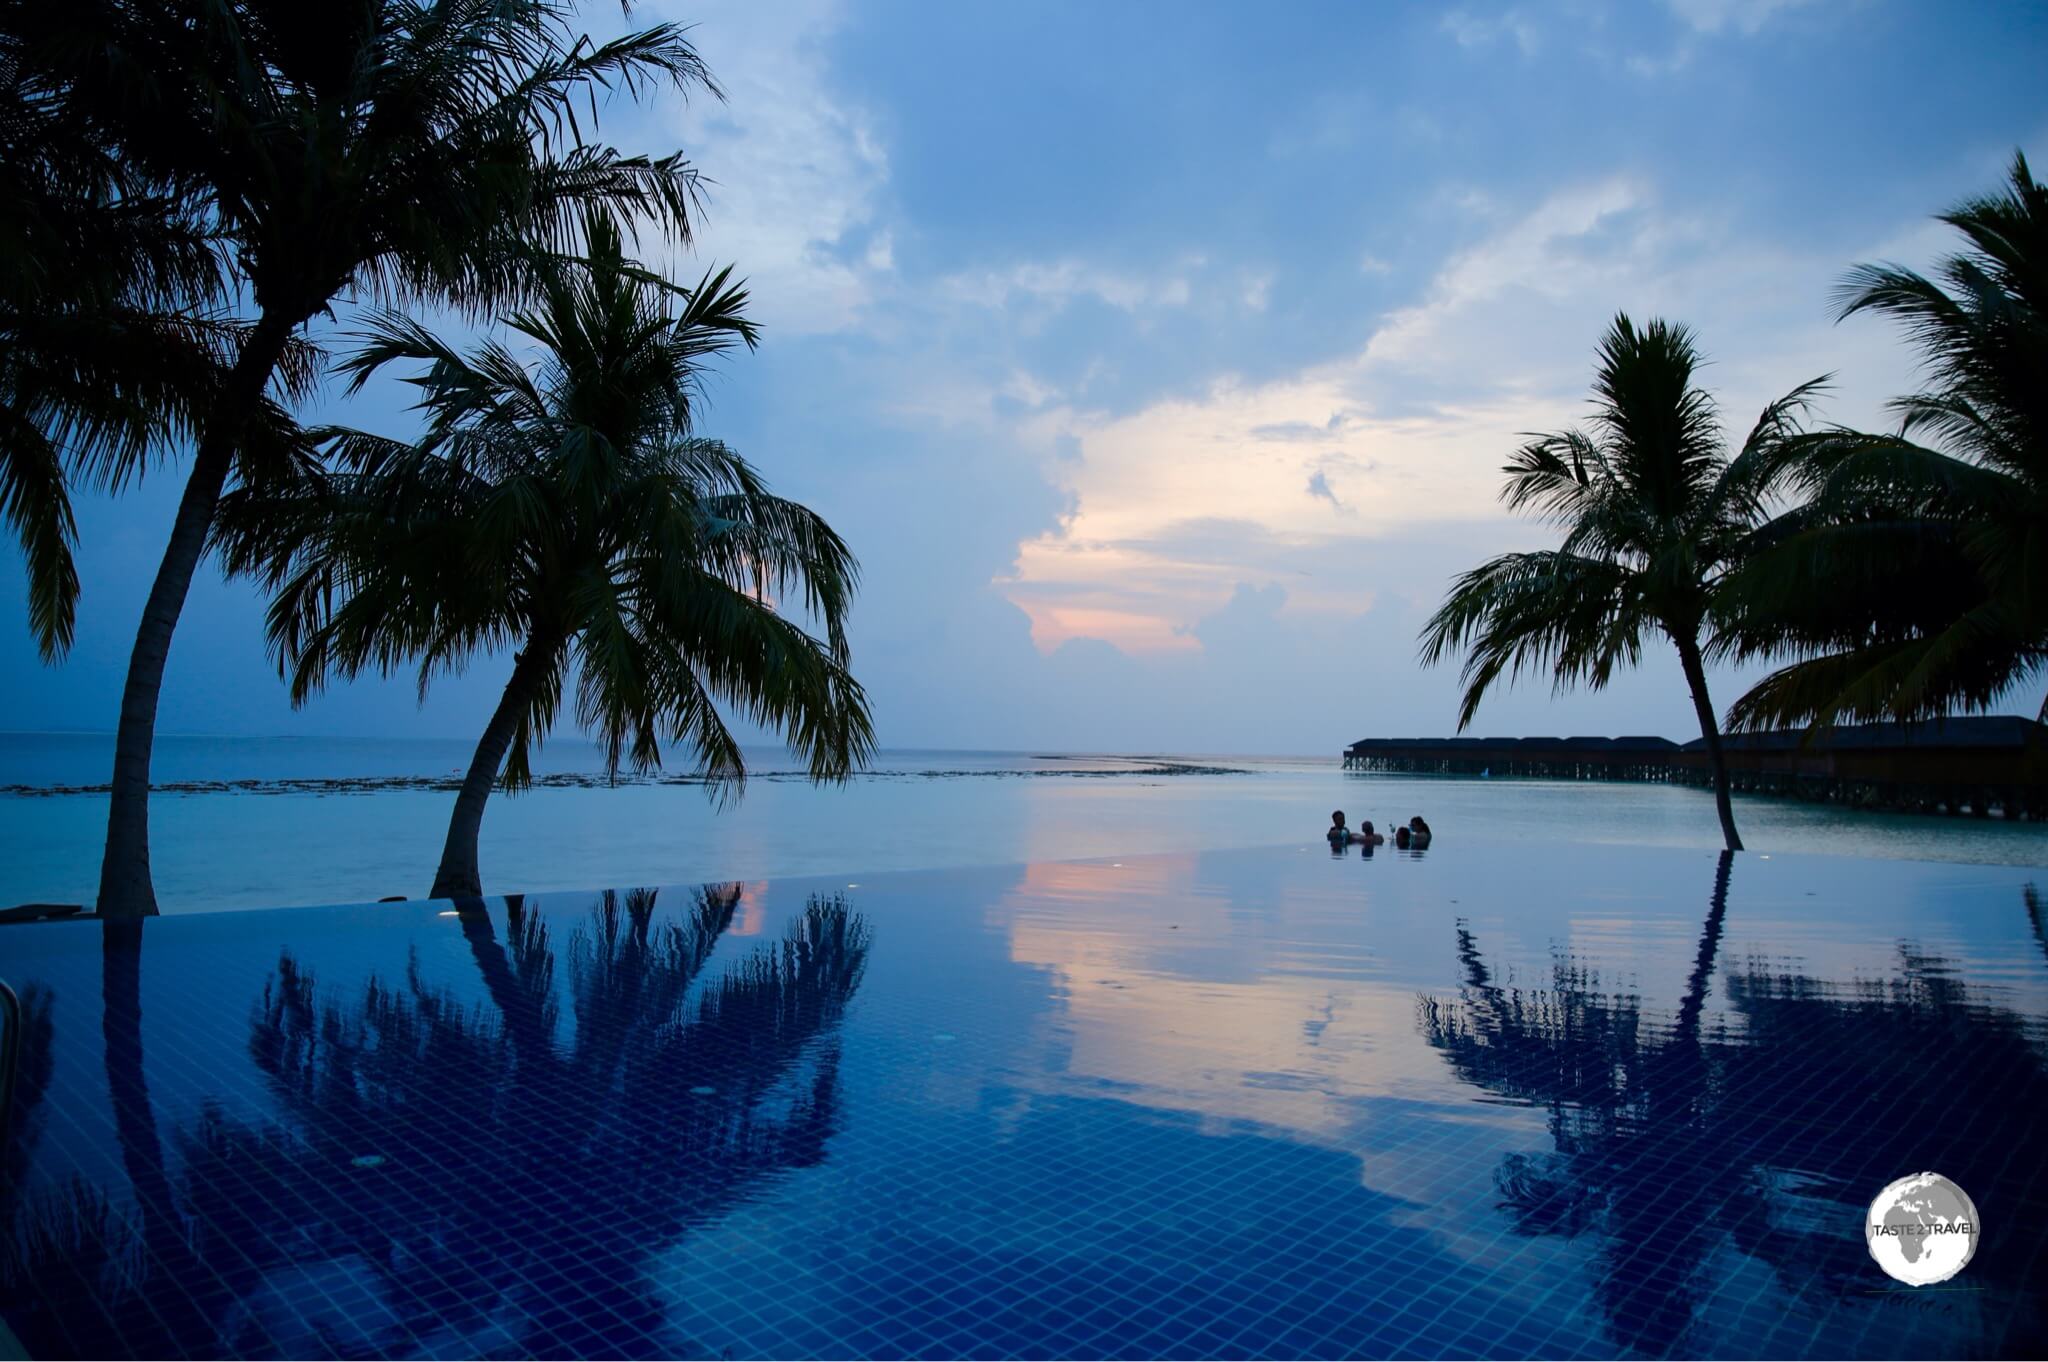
{"x":316,"y":820}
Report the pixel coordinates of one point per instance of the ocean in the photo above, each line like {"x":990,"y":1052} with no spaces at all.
{"x":262,"y":822}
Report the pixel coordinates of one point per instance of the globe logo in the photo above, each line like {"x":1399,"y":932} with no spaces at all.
{"x":1922,"y":1229}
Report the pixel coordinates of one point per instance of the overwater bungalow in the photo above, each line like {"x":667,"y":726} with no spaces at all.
{"x":1984,"y":765}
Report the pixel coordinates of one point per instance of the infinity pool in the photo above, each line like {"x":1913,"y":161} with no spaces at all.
{"x":1529,"y":1101}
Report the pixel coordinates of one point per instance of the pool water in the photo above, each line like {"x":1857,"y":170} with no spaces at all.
{"x":1516,"y":1101}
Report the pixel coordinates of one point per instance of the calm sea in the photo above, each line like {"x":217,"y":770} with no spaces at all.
{"x":254,"y":822}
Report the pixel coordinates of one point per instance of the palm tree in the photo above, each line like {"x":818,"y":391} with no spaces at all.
{"x":1655,"y":515}
{"x":110,"y":332}
{"x":565,"y":509}
{"x":1914,"y":582}
{"x":394,"y":149}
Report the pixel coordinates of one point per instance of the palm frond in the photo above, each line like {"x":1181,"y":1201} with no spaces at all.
{"x":1577,"y":617}
{"x":1915,"y":578}
{"x":562,"y":504}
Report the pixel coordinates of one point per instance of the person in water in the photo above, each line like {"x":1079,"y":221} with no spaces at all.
{"x":1342,"y":835}
{"x":1402,"y":838}
{"x":1418,"y":832}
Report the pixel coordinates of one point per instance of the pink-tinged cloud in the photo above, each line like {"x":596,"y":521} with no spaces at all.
{"x":1175,"y":504}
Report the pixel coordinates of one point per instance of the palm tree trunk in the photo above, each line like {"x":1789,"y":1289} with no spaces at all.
{"x":1710,"y":729}
{"x":458,"y":877}
{"x":126,"y":890}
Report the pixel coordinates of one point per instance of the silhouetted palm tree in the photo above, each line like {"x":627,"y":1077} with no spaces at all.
{"x":1914,"y":581}
{"x":567,"y":510}
{"x":388,"y":148}
{"x":111,"y":331}
{"x":1655,"y":513}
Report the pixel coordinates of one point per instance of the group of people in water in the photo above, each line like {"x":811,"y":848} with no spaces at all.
{"x":1410,"y":836}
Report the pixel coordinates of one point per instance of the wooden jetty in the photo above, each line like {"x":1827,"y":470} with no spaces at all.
{"x":1982,"y":765}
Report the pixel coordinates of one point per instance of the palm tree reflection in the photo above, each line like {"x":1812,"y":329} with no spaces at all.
{"x":2037,"y":918}
{"x":456,"y":1176}
{"x":1769,"y":1132}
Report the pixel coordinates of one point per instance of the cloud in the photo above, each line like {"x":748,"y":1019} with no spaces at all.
{"x":1499,"y":342}
{"x":1553,"y":254}
{"x":1703,"y":20}
{"x":1250,"y":612}
{"x":1473,"y":30}
{"x":1027,"y":391}
{"x":1741,"y":16}
{"x":1059,"y":282}
{"x":798,"y":172}
{"x":1647,"y":67}
{"x":1142,"y":478}
{"x":1299,"y":432}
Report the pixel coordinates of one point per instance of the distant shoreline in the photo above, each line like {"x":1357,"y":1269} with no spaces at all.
{"x":575,"y":780}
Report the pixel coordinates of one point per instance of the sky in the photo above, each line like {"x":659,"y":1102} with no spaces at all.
{"x":1159,"y":360}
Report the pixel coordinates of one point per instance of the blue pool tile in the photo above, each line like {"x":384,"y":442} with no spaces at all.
{"x":1550,"y":1102}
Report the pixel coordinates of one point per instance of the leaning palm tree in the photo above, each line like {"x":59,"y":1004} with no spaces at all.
{"x":394,"y":150}
{"x":563,"y":508}
{"x":111,"y":334}
{"x":1655,"y":513}
{"x":1913,"y":583}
